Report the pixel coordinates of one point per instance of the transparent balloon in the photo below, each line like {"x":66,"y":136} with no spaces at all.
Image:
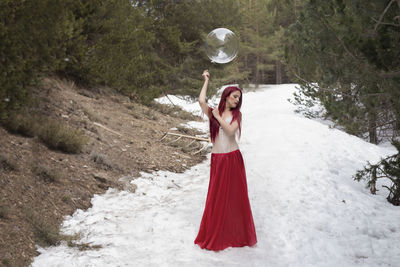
{"x":222,"y":45}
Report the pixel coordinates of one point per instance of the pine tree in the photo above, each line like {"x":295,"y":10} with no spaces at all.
{"x":262,"y":39}
{"x":33,"y":38}
{"x":335,"y":45}
{"x":346,"y":54}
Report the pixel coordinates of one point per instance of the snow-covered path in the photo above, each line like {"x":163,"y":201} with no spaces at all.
{"x":307,"y":209}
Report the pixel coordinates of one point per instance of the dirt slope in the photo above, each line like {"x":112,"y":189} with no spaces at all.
{"x":123,"y":141}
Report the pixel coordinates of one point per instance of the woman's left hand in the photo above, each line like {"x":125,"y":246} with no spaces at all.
{"x":215,"y":112}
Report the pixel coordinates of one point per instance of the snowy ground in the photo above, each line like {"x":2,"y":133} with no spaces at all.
{"x":307,"y":209}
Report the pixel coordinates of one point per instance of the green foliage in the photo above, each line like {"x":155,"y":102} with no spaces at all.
{"x":354,"y":61}
{"x":346,"y":54}
{"x":123,"y":56}
{"x":262,"y":37}
{"x":388,"y":168}
{"x":33,"y":35}
{"x":139,"y":48}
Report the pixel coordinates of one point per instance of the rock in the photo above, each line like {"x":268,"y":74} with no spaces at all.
{"x":103,"y":186}
{"x":130,"y":187}
{"x":100,"y":177}
{"x":124,"y":183}
{"x":126,"y":178}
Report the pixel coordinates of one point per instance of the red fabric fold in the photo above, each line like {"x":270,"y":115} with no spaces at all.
{"x":227,"y":219}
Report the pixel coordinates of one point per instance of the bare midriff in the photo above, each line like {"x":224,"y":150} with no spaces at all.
{"x":224,"y":143}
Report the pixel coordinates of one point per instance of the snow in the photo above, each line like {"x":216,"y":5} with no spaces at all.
{"x":307,"y":209}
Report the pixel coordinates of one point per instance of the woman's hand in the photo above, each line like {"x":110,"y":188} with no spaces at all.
{"x":206,"y":75}
{"x":215,"y":112}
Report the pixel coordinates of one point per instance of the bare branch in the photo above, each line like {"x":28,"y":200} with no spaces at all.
{"x":386,"y":23}
{"x":170,"y":100}
{"x":382,"y":15}
{"x":198,"y":151}
{"x":390,"y":189}
{"x":390,"y":74}
{"x":316,"y":87}
{"x":337,"y":38}
{"x":383,"y":124}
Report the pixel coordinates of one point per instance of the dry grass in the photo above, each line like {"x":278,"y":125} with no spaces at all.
{"x":54,"y":134}
{"x":46,"y":234}
{"x":46,"y":174}
{"x":61,"y":137}
{"x":150,"y":114}
{"x":66,"y":199}
{"x":4,"y":212}
{"x":6,"y":262}
{"x":21,"y":123}
{"x":102,"y":161}
{"x":91,"y":115}
{"x":173,"y":111}
{"x":7,"y":164}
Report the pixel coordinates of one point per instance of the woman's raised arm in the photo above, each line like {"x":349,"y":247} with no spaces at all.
{"x":203,"y":93}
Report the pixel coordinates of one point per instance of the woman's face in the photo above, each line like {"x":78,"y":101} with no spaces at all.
{"x":233,"y":99}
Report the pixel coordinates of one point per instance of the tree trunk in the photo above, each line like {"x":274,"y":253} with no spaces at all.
{"x":257,"y":50}
{"x":373,"y":137}
{"x":372,"y":187}
{"x":278,"y":71}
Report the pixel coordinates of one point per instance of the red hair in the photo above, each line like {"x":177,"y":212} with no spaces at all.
{"x":236,"y":114}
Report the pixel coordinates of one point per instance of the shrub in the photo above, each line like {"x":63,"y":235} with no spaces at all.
{"x":102,"y":160}
{"x":387,"y":168}
{"x":4,"y":211}
{"x":60,"y":137}
{"x":20,"y":123}
{"x":45,"y":233}
{"x":174,"y":111}
{"x":44,"y":173}
{"x":7,"y":164}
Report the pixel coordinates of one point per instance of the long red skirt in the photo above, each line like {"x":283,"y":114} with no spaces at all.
{"x":227,"y":219}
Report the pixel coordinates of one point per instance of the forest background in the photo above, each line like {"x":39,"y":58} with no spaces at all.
{"x":144,"y":49}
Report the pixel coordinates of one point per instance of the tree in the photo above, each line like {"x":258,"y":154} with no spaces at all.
{"x":339,"y":46}
{"x":346,"y":54}
{"x":33,"y":40}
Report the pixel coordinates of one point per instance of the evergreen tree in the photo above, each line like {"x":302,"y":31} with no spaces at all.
{"x":353,"y":59}
{"x":388,"y":168}
{"x":33,"y":38}
{"x":346,"y":54}
{"x":262,"y":39}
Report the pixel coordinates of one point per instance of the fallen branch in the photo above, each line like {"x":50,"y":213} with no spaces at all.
{"x":194,"y":140}
{"x":204,"y":147}
{"x":173,"y":141}
{"x":186,"y":136}
{"x":170,"y":100}
{"x":108,"y":129}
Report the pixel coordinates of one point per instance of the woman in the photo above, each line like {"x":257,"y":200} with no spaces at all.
{"x":227,"y":219}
